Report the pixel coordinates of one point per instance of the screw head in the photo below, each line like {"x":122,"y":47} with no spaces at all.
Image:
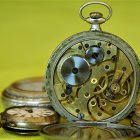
{"x":80,"y":115}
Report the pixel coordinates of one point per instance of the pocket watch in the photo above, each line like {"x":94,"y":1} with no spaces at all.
{"x":135,"y":120}
{"x":89,"y":131}
{"x":93,"y":75}
{"x":27,"y":120}
{"x":30,"y":91}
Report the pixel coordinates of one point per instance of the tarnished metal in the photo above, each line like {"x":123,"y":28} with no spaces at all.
{"x":30,"y":91}
{"x":27,"y":119}
{"x":93,"y":76}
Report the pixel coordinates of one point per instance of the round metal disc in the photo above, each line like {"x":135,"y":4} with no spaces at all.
{"x":87,"y":130}
{"x":75,"y":70}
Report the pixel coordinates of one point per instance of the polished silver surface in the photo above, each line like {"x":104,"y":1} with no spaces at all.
{"x":89,"y":131}
{"x":30,"y":91}
{"x":94,"y":55}
{"x":75,"y":70}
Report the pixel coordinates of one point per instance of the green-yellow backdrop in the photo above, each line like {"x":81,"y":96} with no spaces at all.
{"x":31,"y":29}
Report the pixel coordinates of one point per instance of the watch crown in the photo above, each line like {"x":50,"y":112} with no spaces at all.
{"x":96,"y":15}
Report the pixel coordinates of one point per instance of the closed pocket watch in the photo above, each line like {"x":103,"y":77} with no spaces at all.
{"x":27,"y":120}
{"x":29,"y":91}
{"x":93,"y":75}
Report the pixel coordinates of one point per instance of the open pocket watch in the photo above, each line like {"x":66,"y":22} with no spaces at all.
{"x":27,"y":120}
{"x":93,"y":75}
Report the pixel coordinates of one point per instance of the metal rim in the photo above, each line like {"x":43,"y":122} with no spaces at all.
{"x":101,"y":125}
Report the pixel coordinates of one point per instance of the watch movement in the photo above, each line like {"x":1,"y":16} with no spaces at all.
{"x":93,"y":75}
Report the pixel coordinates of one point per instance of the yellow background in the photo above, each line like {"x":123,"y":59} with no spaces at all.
{"x":31,"y":29}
